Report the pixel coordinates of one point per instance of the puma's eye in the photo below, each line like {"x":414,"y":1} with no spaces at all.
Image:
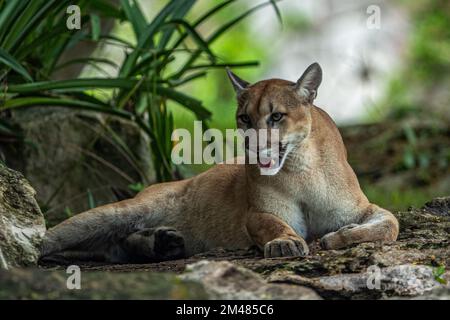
{"x":277,"y":116}
{"x":244,"y":118}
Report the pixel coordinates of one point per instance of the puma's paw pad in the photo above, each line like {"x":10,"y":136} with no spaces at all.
{"x":286,"y":247}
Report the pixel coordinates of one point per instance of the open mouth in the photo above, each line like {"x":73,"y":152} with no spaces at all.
{"x":273,"y":163}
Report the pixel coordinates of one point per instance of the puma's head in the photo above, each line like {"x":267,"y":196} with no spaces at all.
{"x":277,"y":104}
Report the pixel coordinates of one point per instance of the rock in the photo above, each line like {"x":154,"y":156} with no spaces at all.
{"x":401,"y":280}
{"x":439,"y":206}
{"x":438,"y":294}
{"x":52,"y":284}
{"x":203,"y":280}
{"x":22,"y":224}
{"x":74,"y":161}
{"x":224,"y":280}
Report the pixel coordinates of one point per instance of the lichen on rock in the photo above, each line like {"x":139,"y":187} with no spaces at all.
{"x":225,"y":280}
{"x":22,"y":225}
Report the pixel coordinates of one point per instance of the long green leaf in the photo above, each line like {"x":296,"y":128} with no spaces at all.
{"x":91,"y":200}
{"x":191,"y":103}
{"x":145,"y":40}
{"x":122,"y":42}
{"x":71,"y":84}
{"x":189,"y":78}
{"x":212,"y":11}
{"x":225,"y":64}
{"x":107,"y":9}
{"x":41,"y":40}
{"x":195,"y":36}
{"x":88,"y":60}
{"x":7,"y":128}
{"x":9,"y":61}
{"x":135,"y":16}
{"x":236,"y":20}
{"x":63,"y":102}
{"x":277,"y":11}
{"x":95,"y":27}
{"x":31,"y":16}
{"x":9,"y":14}
{"x":178,"y":13}
{"x":202,"y":19}
{"x":217,"y":34}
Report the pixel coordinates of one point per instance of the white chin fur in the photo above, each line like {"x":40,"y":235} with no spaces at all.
{"x":269,"y":171}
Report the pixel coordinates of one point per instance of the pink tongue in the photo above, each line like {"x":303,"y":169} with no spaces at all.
{"x":267,"y":165}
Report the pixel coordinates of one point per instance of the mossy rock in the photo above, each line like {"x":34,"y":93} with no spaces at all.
{"x":52,"y":284}
{"x":22,"y":224}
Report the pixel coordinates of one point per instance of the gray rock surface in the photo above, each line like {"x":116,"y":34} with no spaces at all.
{"x":22,"y":224}
{"x":400,"y":281}
{"x":39,"y":284}
{"x":439,"y":206}
{"x":224,"y":280}
{"x":202,"y":280}
{"x":438,"y":294}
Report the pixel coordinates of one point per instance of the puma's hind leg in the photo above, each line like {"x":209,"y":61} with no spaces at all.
{"x":153,"y":245}
{"x":73,"y":256}
{"x":143,"y":246}
{"x":377,"y":225}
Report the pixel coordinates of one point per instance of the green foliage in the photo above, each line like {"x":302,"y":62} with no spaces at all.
{"x":412,"y":156}
{"x":68,"y":212}
{"x":91,"y":200}
{"x":397,"y":199}
{"x":168,"y":52}
{"x":297,"y":22}
{"x":438,"y":272}
{"x":427,"y":64}
{"x":136,"y":187}
{"x":33,"y":35}
{"x":416,"y":102}
{"x":431,"y":42}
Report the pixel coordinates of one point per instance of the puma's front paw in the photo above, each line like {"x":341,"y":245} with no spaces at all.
{"x":286,"y":247}
{"x":337,"y":239}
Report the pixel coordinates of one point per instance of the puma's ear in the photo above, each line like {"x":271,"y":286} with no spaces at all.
{"x":238,"y":84}
{"x":309,"y":82}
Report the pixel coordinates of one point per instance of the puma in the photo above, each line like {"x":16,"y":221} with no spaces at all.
{"x":311,"y":192}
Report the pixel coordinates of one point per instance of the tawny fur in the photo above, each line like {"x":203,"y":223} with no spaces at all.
{"x":315,"y":195}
